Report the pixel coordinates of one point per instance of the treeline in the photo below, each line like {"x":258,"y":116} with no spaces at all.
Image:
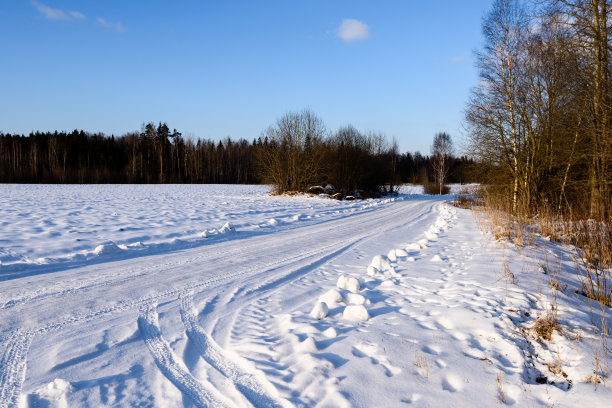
{"x":540,"y":118}
{"x":295,"y":154}
{"x":154,"y":155}
{"x":298,"y":153}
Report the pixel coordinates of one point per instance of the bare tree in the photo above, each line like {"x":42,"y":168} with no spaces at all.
{"x":589,"y":23}
{"x":441,"y":150}
{"x":291,"y":160}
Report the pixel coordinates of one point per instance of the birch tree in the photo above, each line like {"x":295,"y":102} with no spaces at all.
{"x":441,"y":150}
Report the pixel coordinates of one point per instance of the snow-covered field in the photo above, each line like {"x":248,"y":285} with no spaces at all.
{"x":226,"y":296}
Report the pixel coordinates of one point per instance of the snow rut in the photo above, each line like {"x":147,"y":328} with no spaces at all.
{"x":245,"y":382}
{"x":166,"y":361}
{"x":101,"y":277}
{"x":13,"y":367}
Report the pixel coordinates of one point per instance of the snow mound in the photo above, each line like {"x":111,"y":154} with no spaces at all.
{"x":441,"y":224}
{"x":137,"y":244}
{"x":330,"y":333}
{"x":107,"y":248}
{"x":356,"y":313}
{"x":227,"y":227}
{"x":355,"y":299}
{"x":371,"y":271}
{"x":380,"y":262}
{"x":392,"y":256}
{"x":331,"y":297}
{"x":308,"y":345}
{"x":319,"y":311}
{"x":413,"y":247}
{"x":400,"y":253}
{"x":387,"y":284}
{"x":436,"y":258}
{"x":348,"y":283}
{"x":430,"y":236}
{"x":273,"y":222}
{"x":54,"y":393}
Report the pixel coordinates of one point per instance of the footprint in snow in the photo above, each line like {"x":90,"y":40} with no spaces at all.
{"x":441,"y":363}
{"x":452,"y":383}
{"x":433,"y":350}
{"x":412,"y":398}
{"x":445,"y":323}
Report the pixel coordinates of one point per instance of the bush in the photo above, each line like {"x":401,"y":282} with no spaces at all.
{"x":435,"y":189}
{"x":297,"y":156}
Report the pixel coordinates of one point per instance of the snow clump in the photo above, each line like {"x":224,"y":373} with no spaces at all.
{"x":330,"y":333}
{"x":400,"y":253}
{"x":348,"y":283}
{"x":380,"y":262}
{"x":331,"y":297}
{"x":372,"y":271}
{"x":308,"y":345}
{"x":413,"y":247}
{"x":227,"y":227}
{"x":355,"y":299}
{"x":319,"y":311}
{"x":108,"y":248}
{"x":356,"y":313}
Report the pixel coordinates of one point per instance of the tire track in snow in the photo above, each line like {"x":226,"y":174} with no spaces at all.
{"x":245,"y":382}
{"x":166,"y":361}
{"x":13,"y":367}
{"x":55,"y":289}
{"x":262,"y":264}
{"x":258,"y":267}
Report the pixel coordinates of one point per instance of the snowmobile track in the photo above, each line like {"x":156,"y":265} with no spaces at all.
{"x":215,"y":356}
{"x":13,"y":367}
{"x":166,"y":361}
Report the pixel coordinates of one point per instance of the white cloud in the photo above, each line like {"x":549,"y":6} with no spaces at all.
{"x":56,"y":14}
{"x":111,"y":26}
{"x":76,"y":15}
{"x":353,"y":30}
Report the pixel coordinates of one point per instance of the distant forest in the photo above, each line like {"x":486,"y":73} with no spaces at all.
{"x":158,"y":155}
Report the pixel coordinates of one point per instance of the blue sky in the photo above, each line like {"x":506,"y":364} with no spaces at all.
{"x":213,"y":69}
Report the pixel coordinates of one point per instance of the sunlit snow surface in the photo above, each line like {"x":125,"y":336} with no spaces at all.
{"x":227,"y":296}
{"x":42,"y":224}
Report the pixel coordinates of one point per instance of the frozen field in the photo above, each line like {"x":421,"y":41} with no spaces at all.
{"x":180,"y":296}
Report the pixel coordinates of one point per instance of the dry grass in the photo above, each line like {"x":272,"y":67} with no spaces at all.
{"x":545,"y":326}
{"x":555,"y":284}
{"x":420,"y":360}
{"x":557,"y":367}
{"x":500,"y":389}
{"x":593,"y":378}
{"x":434,"y":189}
{"x":592,"y":243}
{"x":468,"y":199}
{"x":592,"y":239}
{"x":596,"y":281}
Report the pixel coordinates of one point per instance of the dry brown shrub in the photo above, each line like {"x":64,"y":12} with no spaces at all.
{"x":545,"y":326}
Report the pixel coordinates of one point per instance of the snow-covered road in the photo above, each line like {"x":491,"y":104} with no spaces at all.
{"x":224,"y":320}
